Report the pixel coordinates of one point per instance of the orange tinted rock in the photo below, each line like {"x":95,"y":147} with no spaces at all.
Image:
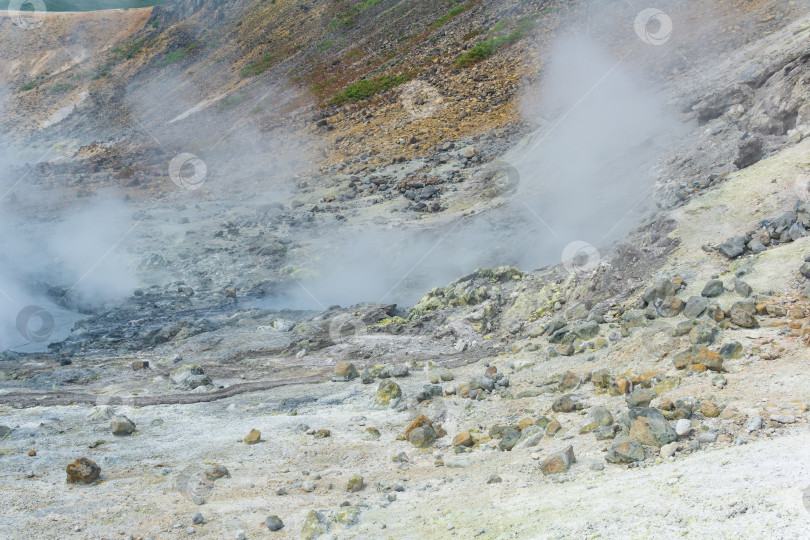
{"x":83,"y":471}
{"x":420,"y":421}
{"x":463,"y":439}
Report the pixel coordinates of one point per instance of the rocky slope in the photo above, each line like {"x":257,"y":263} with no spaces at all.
{"x":654,"y":383}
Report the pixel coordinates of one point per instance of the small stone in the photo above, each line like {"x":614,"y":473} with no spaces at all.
{"x":742,"y":318}
{"x":713,"y":288}
{"x":347,"y":514}
{"x":742,"y":288}
{"x":640,"y":397}
{"x":624,"y":450}
{"x":400,"y":370}
{"x":783,"y":418}
{"x":216,"y":471}
{"x":138,"y":365}
{"x":423,"y":436}
{"x":709,"y":409}
{"x":710,"y":359}
{"x":596,"y":466}
{"x":198,"y":519}
{"x":553,"y":427}
{"x":274,"y":523}
{"x":463,"y":439}
{"x":494,"y":479}
{"x":733,"y":247}
{"x":32,"y":453}
{"x":315,"y":524}
{"x":753,"y":424}
{"x":731,"y":350}
{"x":559,"y":462}
{"x":343,"y":372}
{"x":695,"y":306}
{"x":388,"y":394}
{"x":564,"y":404}
{"x":652,"y":432}
{"x":190,"y":376}
{"x":355,"y":483}
{"x":253,"y":437}
{"x":121,"y":425}
{"x":371,"y":434}
{"x":707,"y":438}
{"x":682,"y":427}
{"x":83,"y":471}
{"x":668,"y":450}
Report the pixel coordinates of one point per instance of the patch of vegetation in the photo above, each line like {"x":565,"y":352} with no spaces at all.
{"x":61,"y":87}
{"x":365,"y":88}
{"x":257,"y":68}
{"x":469,"y":35}
{"x":28,"y":86}
{"x":455,"y":12}
{"x":350,"y":17}
{"x":231,"y":101}
{"x":487,"y":48}
{"x":323,"y":45}
{"x":176,"y":56}
{"x":130,"y":49}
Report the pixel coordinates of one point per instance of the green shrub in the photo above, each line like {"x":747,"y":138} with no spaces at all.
{"x":257,"y":68}
{"x":455,"y":12}
{"x":61,"y":87}
{"x":365,"y":88}
{"x":487,"y":48}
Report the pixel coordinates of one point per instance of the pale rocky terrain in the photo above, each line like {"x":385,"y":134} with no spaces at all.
{"x":653,"y":388}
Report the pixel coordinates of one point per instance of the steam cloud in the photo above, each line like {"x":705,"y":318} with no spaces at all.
{"x":588,"y":176}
